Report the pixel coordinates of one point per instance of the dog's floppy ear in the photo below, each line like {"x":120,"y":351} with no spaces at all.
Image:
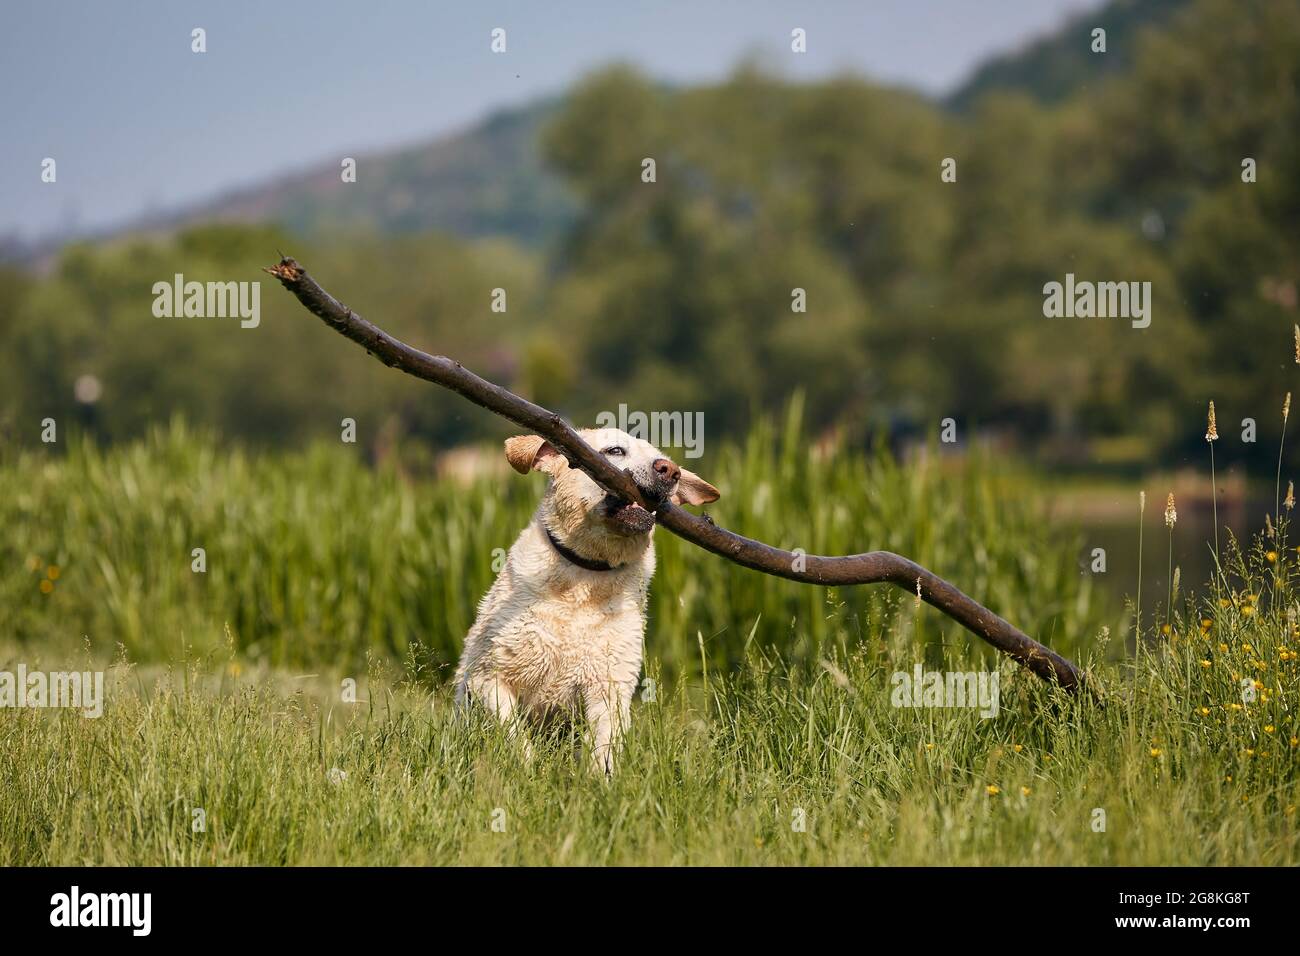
{"x":694,"y":490}
{"x":526,"y":452}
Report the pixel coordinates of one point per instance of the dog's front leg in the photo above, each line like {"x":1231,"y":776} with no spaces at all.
{"x":608,"y":711}
{"x":497,"y":697}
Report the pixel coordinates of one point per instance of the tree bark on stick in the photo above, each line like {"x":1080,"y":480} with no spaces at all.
{"x":873,"y":567}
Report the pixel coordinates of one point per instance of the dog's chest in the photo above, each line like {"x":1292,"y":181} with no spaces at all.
{"x":575,"y":632}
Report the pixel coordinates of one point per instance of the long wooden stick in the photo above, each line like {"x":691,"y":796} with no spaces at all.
{"x":873,"y":567}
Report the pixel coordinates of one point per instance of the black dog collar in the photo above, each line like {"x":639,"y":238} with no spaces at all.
{"x":574,"y":558}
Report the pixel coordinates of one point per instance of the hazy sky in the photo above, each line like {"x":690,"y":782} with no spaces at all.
{"x":135,"y":120}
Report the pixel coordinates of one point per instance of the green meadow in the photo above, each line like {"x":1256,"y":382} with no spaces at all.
{"x":766,"y":730}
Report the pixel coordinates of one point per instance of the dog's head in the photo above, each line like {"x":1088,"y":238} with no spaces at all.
{"x":590,"y":521}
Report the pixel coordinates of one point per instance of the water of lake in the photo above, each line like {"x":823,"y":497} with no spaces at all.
{"x":1193,"y":546}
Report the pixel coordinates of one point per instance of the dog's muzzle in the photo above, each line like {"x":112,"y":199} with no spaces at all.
{"x":628,"y":516}
{"x":656,"y":484}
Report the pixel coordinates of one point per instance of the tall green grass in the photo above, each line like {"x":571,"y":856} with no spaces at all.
{"x":315,"y":559}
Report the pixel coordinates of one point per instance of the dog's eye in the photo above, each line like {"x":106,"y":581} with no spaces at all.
{"x":615,"y":450}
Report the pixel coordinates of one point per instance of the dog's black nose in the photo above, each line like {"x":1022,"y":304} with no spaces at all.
{"x":666,"y":470}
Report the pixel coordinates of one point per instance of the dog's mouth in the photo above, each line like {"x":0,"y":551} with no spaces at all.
{"x":627,"y":517}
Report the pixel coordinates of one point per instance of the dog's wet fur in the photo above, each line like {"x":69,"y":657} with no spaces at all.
{"x":554,"y":636}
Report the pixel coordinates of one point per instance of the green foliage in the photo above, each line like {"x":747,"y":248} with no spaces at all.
{"x":1221,"y":86}
{"x":925,"y":298}
{"x":285,"y":381}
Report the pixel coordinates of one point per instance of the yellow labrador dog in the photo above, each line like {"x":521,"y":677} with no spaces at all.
{"x":563,"y":626}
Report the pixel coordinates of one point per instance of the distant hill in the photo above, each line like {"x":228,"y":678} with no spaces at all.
{"x":485,"y":181}
{"x":1062,"y":63}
